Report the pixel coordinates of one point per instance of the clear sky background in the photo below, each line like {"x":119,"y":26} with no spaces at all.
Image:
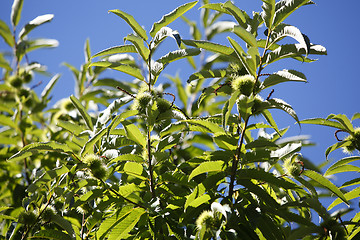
{"x":333,"y":87}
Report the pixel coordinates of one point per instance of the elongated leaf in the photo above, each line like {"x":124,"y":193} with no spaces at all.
{"x":51,"y":234}
{"x":215,"y":73}
{"x":323,"y":122}
{"x":82,"y":111}
{"x":336,"y":146}
{"x":162,"y":34}
{"x":284,"y":76}
{"x":179,"y":54}
{"x":7,"y":121}
{"x":64,"y":224}
{"x":206,"y":167}
{"x":325,"y":182}
{"x":281,"y":104}
{"x":128,"y":157}
{"x":355,"y":193}
{"x":45,"y":146}
{"x":228,"y":106}
{"x":343,"y":169}
{"x":125,"y":225}
{"x":344,"y":120}
{"x":207,"y":126}
{"x":355,"y":116}
{"x":226,"y":142}
{"x":132,"y":23}
{"x":341,"y":163}
{"x":71,"y":127}
{"x":198,"y":201}
{"x":285,"y":30}
{"x":45,"y":93}
{"x":286,"y":151}
{"x":3,"y":62}
{"x":294,"y":51}
{"x":16,"y":12}
{"x":236,"y":12}
{"x":134,"y":169}
{"x":268,"y":116}
{"x":92,"y":141}
{"x":213,"y":47}
{"x":284,"y":8}
{"x":106,"y":115}
{"x":170,"y":17}
{"x":6,"y":34}
{"x":245,"y":35}
{"x":134,"y":133}
{"x":218,"y":27}
{"x":242,"y":56}
{"x":135,"y":72}
{"x":268,"y":12}
{"x":35,"y":23}
{"x":139,"y":45}
{"x":215,"y":6}
{"x":116,"y":50}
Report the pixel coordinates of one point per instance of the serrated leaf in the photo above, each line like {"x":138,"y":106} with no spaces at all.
{"x":135,"y":72}
{"x":355,"y":193}
{"x":282,"y":105}
{"x":128,"y":157}
{"x":213,"y":47}
{"x":236,"y":12}
{"x":178,"y":54}
{"x":92,"y":141}
{"x":268,"y":116}
{"x":343,"y":120}
{"x":286,"y":150}
{"x":208,"y":126}
{"x":43,"y":146}
{"x":82,"y":112}
{"x":248,"y":37}
{"x":284,"y":76}
{"x":323,"y":122}
{"x":64,"y":224}
{"x":6,"y":34}
{"x":198,"y":201}
{"x":132,"y":23}
{"x":336,"y":146}
{"x":50,"y":234}
{"x":215,"y":6}
{"x":242,"y":56}
{"x":35,"y":23}
{"x":218,"y":27}
{"x":170,"y":17}
{"x":226,"y":142}
{"x":45,"y":93}
{"x":206,"y":167}
{"x":284,"y":8}
{"x":70,"y":127}
{"x":139,"y":45}
{"x":294,"y":51}
{"x":115,"y":50}
{"x":16,"y":9}
{"x":325,"y":183}
{"x":134,"y":133}
{"x":268,"y":12}
{"x":162,"y":34}
{"x":215,"y":73}
{"x":125,"y":225}
{"x":228,"y":106}
{"x":120,"y":118}
{"x":340,"y":163}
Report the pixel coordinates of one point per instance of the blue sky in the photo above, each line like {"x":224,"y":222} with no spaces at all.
{"x":334,"y":81}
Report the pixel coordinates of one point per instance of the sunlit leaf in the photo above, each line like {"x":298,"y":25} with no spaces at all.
{"x":284,"y":8}
{"x":226,"y":142}
{"x":245,"y":35}
{"x":284,"y":76}
{"x":341,"y":163}
{"x":213,"y":47}
{"x":134,"y":133}
{"x":48,"y":88}
{"x":128,"y":157}
{"x":206,"y":167}
{"x":92,"y":141}
{"x":126,"y":224}
{"x":236,"y":12}
{"x":178,"y":54}
{"x":170,"y":17}
{"x":268,"y":12}
{"x":135,"y":72}
{"x":344,"y":120}
{"x":325,"y":183}
{"x":218,"y":27}
{"x":206,"y":125}
{"x":116,"y":50}
{"x":323,"y":122}
{"x":336,"y":146}
{"x":16,"y":9}
{"x":82,"y":112}
{"x":139,"y":45}
{"x":215,"y":73}
{"x":132,"y":23}
{"x":35,"y":23}
{"x":242,"y":56}
{"x":355,"y":193}
{"x":162,"y":34}
{"x":6,"y":34}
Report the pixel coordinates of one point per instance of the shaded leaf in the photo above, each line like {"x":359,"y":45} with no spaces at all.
{"x":215,"y":73}
{"x":92,"y":141}
{"x":206,"y":167}
{"x":218,"y":27}
{"x":162,"y":34}
{"x":178,"y":54}
{"x":128,"y":157}
{"x":284,"y":8}
{"x":242,"y":56}
{"x":50,"y":234}
{"x":284,"y":76}
{"x":132,"y":23}
{"x":248,"y":37}
{"x":16,"y":9}
{"x":170,"y":17}
{"x":268,"y":12}
{"x":126,"y":224}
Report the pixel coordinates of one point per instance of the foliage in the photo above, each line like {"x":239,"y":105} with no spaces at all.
{"x":152,"y":164}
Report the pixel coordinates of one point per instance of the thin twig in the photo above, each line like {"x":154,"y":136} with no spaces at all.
{"x":269,"y":96}
{"x":123,"y":90}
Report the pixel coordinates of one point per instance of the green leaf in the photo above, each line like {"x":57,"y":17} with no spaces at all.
{"x":213,"y":47}
{"x":355,"y":116}
{"x":170,"y":17}
{"x":226,"y":142}
{"x":236,"y":12}
{"x":284,"y":76}
{"x":198,"y":201}
{"x":115,"y":50}
{"x":248,"y":37}
{"x":35,"y":23}
{"x":64,"y":224}
{"x":206,"y":167}
{"x":216,"y":6}
{"x":242,"y":56}
{"x":82,"y":111}
{"x":343,"y":119}
{"x":7,"y":121}
{"x":323,"y":122}
{"x":51,"y":234}
{"x":218,"y":27}
{"x":43,"y":146}
{"x":135,"y":72}
{"x":162,"y":34}
{"x":340,"y":163}
{"x":268,"y":12}
{"x":134,"y":133}
{"x":180,"y":88}
{"x":6,"y":34}
{"x":92,"y":141}
{"x":70,"y":127}
{"x":128,"y":157}
{"x":285,"y":30}
{"x":228,"y":106}
{"x":132,"y":23}
{"x":215,"y":73}
{"x":178,"y":54}
{"x":343,"y":169}
{"x":16,"y":9}
{"x":206,"y":125}
{"x":355,"y":193}
{"x":268,"y":116}
{"x":139,"y":45}
{"x":336,"y":146}
{"x":286,"y":151}
{"x":325,"y":182}
{"x":282,"y":105}
{"x":4,"y":63}
{"x":284,"y":8}
{"x":126,"y":224}
{"x":294,"y":51}
{"x":134,"y":169}
{"x":120,"y":118}
{"x":45,"y":93}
